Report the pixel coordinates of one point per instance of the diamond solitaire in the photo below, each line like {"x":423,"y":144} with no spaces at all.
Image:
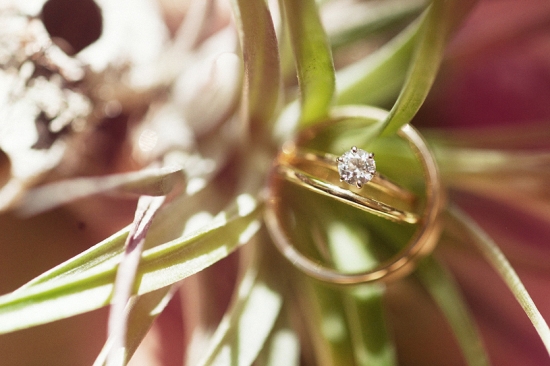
{"x":356,"y":167}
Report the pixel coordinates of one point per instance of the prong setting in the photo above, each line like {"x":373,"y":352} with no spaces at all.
{"x":356,"y":167}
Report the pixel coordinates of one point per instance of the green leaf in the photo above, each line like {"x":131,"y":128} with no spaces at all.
{"x":163,"y":265}
{"x":245,"y":328}
{"x":288,"y":66}
{"x":357,"y":20}
{"x":352,"y":252}
{"x":440,"y":18}
{"x":326,"y":324}
{"x":379,"y":76}
{"x":105,"y":251}
{"x":313,"y":58}
{"x":353,"y":328}
{"x":172,"y":221}
{"x":261,"y":59}
{"x":423,"y":69}
{"x":500,"y":264}
{"x":446,"y":294}
{"x":442,"y":288}
{"x":365,"y":313}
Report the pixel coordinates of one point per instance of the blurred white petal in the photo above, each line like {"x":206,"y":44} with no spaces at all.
{"x":152,"y":182}
{"x":208,"y":91}
{"x":133,"y":34}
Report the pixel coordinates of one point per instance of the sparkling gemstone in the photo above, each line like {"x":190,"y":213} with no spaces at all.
{"x":356,"y":167}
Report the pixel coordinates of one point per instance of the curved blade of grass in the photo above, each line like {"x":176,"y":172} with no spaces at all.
{"x":126,"y":276}
{"x":105,"y":251}
{"x":362,"y":304}
{"x":172,"y":221}
{"x":446,"y":294}
{"x":379,"y":76}
{"x":440,"y":18}
{"x":141,"y":313}
{"x":366,"y":320}
{"x":496,"y":258}
{"x":288,"y":65}
{"x":326,"y":323}
{"x":355,"y":20}
{"x":261,"y":59}
{"x":313,"y":58}
{"x":352,"y":329}
{"x":245,"y":328}
{"x":151,"y":182}
{"x":517,"y":179}
{"x":160,"y":266}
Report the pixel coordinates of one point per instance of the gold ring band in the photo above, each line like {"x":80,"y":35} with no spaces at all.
{"x":422,"y":242}
{"x":367,"y":204}
{"x":327,"y":160}
{"x":291,"y":156}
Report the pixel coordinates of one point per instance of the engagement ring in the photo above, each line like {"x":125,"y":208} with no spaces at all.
{"x":356,"y":168}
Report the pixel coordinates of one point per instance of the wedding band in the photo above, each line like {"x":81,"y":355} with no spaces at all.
{"x":422,"y":242}
{"x":355,"y":167}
